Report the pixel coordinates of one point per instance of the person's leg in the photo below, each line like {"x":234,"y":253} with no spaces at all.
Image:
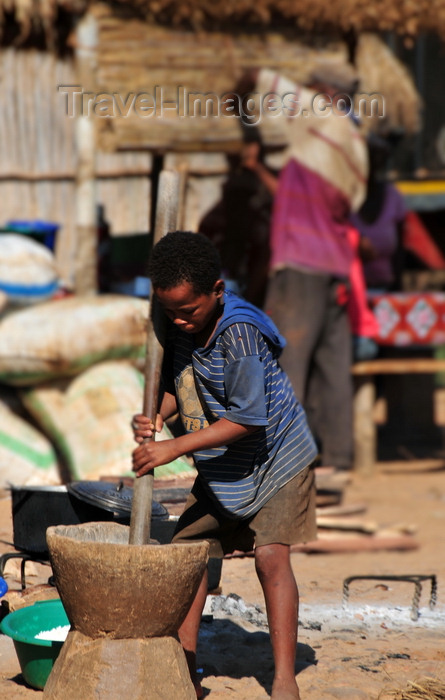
{"x":296,"y":303}
{"x":330,"y":391}
{"x":189,"y":631}
{"x":272,"y":563}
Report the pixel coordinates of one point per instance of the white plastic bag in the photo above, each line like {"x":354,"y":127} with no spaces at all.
{"x":28,"y":270}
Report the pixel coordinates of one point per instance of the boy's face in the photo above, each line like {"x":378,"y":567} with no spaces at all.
{"x":191,"y":312}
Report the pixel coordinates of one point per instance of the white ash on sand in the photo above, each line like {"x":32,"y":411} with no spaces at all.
{"x":329,"y":617}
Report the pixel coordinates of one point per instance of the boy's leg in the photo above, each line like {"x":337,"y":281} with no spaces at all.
{"x":189,"y":631}
{"x":199,"y":521}
{"x":272,"y":563}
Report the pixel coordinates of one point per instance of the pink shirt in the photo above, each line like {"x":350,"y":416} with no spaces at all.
{"x":310,"y":224}
{"x":324,"y":179}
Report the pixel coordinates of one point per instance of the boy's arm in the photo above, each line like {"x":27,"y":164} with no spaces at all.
{"x":152,"y":454}
{"x":168,"y":406}
{"x":142,"y":425}
{"x":246,"y":404}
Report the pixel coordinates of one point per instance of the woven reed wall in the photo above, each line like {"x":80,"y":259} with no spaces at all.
{"x":37,"y":169}
{"x":38,"y":163}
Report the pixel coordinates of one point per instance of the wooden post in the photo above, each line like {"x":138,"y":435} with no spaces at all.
{"x":183,"y":176}
{"x":85,"y":252}
{"x":365,"y":432}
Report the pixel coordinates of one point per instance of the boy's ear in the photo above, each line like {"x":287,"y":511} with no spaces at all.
{"x":219,"y":288}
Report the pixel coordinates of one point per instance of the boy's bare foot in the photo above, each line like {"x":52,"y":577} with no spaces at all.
{"x":285,"y":690}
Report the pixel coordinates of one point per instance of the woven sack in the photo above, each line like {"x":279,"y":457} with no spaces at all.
{"x":88,"y":419}
{"x":63,"y":337}
{"x":27,"y":458}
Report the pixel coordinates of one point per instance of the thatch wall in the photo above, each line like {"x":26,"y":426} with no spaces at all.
{"x":139,"y":57}
{"x":380,"y":71}
{"x":169,"y":64}
{"x":38,"y":163}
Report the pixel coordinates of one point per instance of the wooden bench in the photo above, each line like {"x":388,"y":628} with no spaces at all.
{"x":365,"y":430}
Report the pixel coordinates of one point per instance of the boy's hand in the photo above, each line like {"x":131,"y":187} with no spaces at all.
{"x":143,"y":427}
{"x":152,"y":454}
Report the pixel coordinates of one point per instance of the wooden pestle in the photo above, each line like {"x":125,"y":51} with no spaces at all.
{"x":166,"y":220}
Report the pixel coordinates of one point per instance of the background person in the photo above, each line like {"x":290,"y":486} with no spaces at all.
{"x":380,"y":221}
{"x":239,"y":224}
{"x":388,"y":230}
{"x":324,"y":178}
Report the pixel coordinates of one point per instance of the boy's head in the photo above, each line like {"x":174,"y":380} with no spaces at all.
{"x":185,"y":274}
{"x":183,"y":256}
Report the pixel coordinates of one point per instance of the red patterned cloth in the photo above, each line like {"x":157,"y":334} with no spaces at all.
{"x":409,"y":318}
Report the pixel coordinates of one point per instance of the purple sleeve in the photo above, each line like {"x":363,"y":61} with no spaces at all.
{"x":398,"y":204}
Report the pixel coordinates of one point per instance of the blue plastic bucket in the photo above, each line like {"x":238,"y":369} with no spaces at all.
{"x":42,"y":231}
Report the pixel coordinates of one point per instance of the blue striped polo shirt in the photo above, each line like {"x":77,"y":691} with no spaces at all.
{"x":237,"y":376}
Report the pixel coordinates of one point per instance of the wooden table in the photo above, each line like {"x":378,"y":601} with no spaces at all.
{"x":406,"y":320}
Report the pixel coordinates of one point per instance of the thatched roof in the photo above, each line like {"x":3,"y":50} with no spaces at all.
{"x":405,"y":17}
{"x":409,"y":17}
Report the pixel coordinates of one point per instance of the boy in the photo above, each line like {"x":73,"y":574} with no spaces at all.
{"x":247,"y":432}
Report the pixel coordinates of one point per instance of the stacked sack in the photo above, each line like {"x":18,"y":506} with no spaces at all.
{"x":27,"y":457}
{"x":62,"y":338}
{"x":73,"y":364}
{"x":88,"y":419}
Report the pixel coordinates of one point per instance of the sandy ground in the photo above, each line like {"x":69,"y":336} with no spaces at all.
{"x":355,"y":652}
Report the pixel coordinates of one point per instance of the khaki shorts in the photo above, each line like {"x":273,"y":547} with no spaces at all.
{"x":287,"y":518}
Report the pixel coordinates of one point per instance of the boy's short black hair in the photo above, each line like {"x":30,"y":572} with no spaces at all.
{"x":183,"y":256}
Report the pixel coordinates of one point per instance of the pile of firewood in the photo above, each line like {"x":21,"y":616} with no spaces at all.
{"x":344,"y":527}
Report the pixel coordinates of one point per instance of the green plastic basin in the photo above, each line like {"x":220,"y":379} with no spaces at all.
{"x":36,"y":656}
